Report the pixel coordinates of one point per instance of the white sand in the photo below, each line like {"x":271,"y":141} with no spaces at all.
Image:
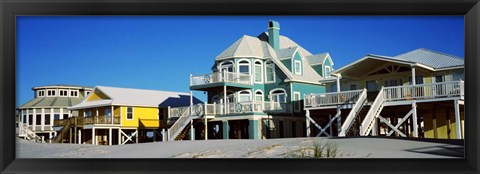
{"x":272,"y":148}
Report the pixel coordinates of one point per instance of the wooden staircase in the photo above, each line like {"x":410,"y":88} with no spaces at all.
{"x":184,"y":133}
{"x":66,"y":129}
{"x":355,"y":129}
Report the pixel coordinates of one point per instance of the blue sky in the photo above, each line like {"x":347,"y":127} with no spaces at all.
{"x":160,"y":52}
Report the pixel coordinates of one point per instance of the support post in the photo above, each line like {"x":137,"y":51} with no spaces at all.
{"x":110,"y":136}
{"x":308,"y":123}
{"x":224,"y":99}
{"x":225,"y":130}
{"x":119,"y":136}
{"x":79,"y":136}
{"x":75,"y":135}
{"x":93,"y":136}
{"x":338,"y":84}
{"x":331,"y":127}
{"x":206,"y":126}
{"x":191,"y":102}
{"x":413,"y":76}
{"x":192,"y":130}
{"x":69,"y":136}
{"x":164,"y":136}
{"x":415,"y":125}
{"x":458,"y":128}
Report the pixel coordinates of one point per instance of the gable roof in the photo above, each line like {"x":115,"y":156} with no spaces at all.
{"x":431,"y":58}
{"x":137,"y":97}
{"x":318,"y":58}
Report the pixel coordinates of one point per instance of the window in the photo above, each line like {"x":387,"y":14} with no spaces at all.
{"x":278,"y":96}
{"x":30,"y":119}
{"x":129,"y":113}
{"x":353,"y":87}
{"x":371,"y":85}
{"x":296,"y":98}
{"x":298,"y":67}
{"x":65,"y":116}
{"x":41,"y":93}
{"x":87,"y":92}
{"x":258,"y":96}
{"x":63,"y":93}
{"x":244,"y":96}
{"x":226,"y":66}
{"x":327,"y":71}
{"x":88,"y":113}
{"x":73,"y":93}
{"x":108,"y":111}
{"x":258,"y":72}
{"x":418,"y":80}
{"x":47,"y":119}
{"x":24,"y":119}
{"x":39,"y":119}
{"x":56,"y":116}
{"x":51,"y":92}
{"x":244,"y":67}
{"x":269,"y":72}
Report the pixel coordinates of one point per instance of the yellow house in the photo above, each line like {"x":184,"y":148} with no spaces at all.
{"x":115,"y":115}
{"x":377,"y":96}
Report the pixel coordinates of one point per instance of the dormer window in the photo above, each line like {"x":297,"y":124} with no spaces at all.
{"x":87,"y":92}
{"x":63,"y":93}
{"x":51,"y":92}
{"x":327,"y":71}
{"x":41,"y":93}
{"x":298,"y":67}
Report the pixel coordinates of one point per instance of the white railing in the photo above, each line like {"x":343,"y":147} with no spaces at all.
{"x":373,"y":112}
{"x":224,"y":76}
{"x":25,"y":131}
{"x":333,"y":98}
{"x":359,"y":102}
{"x":425,"y":91}
{"x":181,"y":122}
{"x":179,"y":111}
{"x":246,"y":107}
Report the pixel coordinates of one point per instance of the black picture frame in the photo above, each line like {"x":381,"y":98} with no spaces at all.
{"x":11,"y":8}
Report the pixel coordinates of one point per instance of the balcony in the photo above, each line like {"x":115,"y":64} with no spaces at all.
{"x":108,"y":120}
{"x":219,"y":79}
{"x":231,"y":108}
{"x":331,"y":99}
{"x":425,"y":91}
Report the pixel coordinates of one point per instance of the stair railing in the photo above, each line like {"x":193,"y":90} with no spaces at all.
{"x":354,"y":112}
{"x":368,"y":121}
{"x":176,"y":128}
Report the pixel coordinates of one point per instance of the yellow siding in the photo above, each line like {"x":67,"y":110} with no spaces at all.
{"x":444,"y":130}
{"x":142,"y":117}
{"x":97,"y":95}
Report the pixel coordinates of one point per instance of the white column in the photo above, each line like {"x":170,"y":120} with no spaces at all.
{"x":79,"y":136}
{"x":206,"y":126}
{"x":307,"y":122}
{"x":119,"y":137}
{"x":225,"y":99}
{"x":458,"y":128}
{"x":136,"y":136}
{"x":192,"y":131}
{"x":34,"y":119}
{"x":111,"y":115}
{"x":93,"y":136}
{"x":110,"y":136}
{"x":413,"y":76}
{"x":42,"y":120}
{"x":415,"y":125}
{"x":338,"y":84}
{"x":191,"y":102}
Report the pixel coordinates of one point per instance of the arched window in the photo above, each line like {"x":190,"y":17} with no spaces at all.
{"x":244,"y":67}
{"x":258,"y":72}
{"x":278,"y":96}
{"x":259,"y":96}
{"x":244,"y":96}
{"x":215,"y":99}
{"x":269,"y":72}
{"x":226,"y":66}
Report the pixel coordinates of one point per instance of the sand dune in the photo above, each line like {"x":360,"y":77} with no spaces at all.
{"x":271,"y":148}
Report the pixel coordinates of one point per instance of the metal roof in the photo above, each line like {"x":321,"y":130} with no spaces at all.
{"x":54,"y":102}
{"x":431,"y":58}
{"x":137,"y":97}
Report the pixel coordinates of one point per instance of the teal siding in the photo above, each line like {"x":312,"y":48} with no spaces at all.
{"x":307,"y":88}
{"x":225,"y":130}
{"x":326,"y":63}
{"x":279,"y":83}
{"x":318,"y":69}
{"x":253,"y":129}
{"x":287,"y":63}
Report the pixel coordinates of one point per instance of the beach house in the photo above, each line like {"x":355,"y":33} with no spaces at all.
{"x":113,"y":115}
{"x":35,"y":118}
{"x":419,"y":93}
{"x":255,"y":90}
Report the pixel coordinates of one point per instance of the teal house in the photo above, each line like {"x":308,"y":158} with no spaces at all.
{"x":255,"y":90}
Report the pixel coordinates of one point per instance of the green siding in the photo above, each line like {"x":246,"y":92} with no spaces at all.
{"x":288,"y":64}
{"x":253,"y":129}
{"x":307,"y":88}
{"x":318,"y":69}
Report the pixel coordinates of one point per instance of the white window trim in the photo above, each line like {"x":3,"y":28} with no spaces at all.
{"x":86,"y":93}
{"x":255,"y":94}
{"x":63,"y":90}
{"x":297,"y":102}
{"x":76,"y":93}
{"x":220,"y":65}
{"x":240,"y":95}
{"x":273,"y":72}
{"x":327,"y":73}
{"x":278,"y":89}
{"x":51,"y":90}
{"x":126,"y":113}
{"x":255,"y":71}
{"x":249,"y":66}
{"x":38,"y":93}
{"x":299,"y":70}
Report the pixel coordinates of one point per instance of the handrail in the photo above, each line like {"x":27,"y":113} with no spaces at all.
{"x":332,"y":98}
{"x":367,"y":121}
{"x":424,"y":91}
{"x":353,"y":113}
{"x":224,"y":76}
{"x":175,"y":129}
